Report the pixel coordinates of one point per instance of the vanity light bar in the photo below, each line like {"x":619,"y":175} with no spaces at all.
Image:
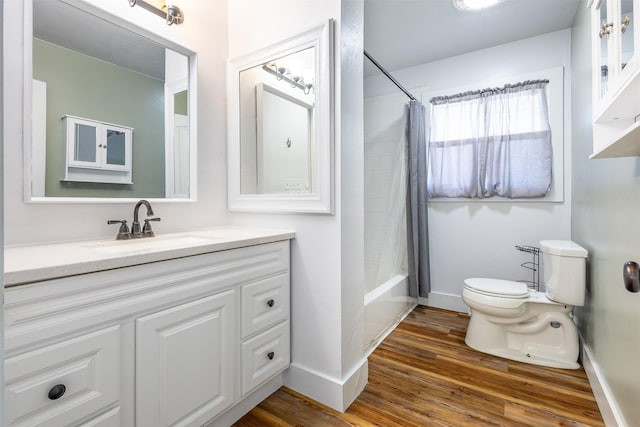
{"x":170,"y":12}
{"x":286,"y":75}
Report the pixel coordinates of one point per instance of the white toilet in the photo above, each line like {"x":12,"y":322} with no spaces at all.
{"x":512,"y":321}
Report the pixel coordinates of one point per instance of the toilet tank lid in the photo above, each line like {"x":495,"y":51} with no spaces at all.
{"x":507,"y":288}
{"x":563,"y":248}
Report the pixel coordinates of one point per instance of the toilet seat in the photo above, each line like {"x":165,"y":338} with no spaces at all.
{"x":497,"y":288}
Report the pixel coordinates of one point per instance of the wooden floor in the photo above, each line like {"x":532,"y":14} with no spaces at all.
{"x":424,"y":375}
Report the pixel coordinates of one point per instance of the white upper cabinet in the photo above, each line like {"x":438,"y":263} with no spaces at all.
{"x":97,"y":151}
{"x":616,"y":78}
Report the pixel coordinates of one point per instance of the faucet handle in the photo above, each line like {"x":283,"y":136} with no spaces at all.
{"x":146,"y":228}
{"x":123,"y":232}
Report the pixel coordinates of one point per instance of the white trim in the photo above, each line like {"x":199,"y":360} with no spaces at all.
{"x":27,"y":96}
{"x":321,"y":199}
{"x":193,"y":127}
{"x":611,"y":413}
{"x":39,"y":137}
{"x":93,"y":200}
{"x":447,"y":301}
{"x":336,"y":394}
{"x":423,"y":301}
{"x":170,"y":90}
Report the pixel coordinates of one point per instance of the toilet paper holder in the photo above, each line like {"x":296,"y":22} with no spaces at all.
{"x":533,"y":265}
{"x":631,"y":276}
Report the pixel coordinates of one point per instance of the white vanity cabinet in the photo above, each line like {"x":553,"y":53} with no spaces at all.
{"x":616,"y":78}
{"x":180,"y":342}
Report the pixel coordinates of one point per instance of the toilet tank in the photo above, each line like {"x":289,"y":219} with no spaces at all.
{"x":564,"y":271}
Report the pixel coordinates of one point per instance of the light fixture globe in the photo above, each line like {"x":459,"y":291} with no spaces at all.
{"x":472,"y":5}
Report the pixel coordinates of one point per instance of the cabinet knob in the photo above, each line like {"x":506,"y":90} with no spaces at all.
{"x":631,"y":276}
{"x":270,"y":302}
{"x":270,"y":356}
{"x":625,"y":23}
{"x":57,"y":391}
{"x":606,"y":29}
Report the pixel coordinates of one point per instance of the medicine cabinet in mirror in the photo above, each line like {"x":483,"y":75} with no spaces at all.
{"x":96,"y":152}
{"x":112,"y":111}
{"x":280,"y":149}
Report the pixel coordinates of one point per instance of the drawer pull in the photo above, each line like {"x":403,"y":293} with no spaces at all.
{"x":271,"y":302}
{"x":270,"y":355}
{"x":57,"y":391}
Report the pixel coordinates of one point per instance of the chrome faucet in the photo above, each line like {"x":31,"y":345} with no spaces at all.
{"x":123,"y":232}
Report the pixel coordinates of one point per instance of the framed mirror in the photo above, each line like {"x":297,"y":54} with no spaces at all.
{"x":280,"y":147}
{"x":112,"y":115}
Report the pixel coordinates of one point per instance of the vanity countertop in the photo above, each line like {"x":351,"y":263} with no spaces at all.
{"x":34,"y":263}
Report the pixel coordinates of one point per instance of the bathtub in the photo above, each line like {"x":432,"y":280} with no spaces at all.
{"x":385,"y":307}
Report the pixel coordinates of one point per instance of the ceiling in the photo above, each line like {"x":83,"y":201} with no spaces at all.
{"x":397,"y":33}
{"x":404,"y":33}
{"x":67,"y":26}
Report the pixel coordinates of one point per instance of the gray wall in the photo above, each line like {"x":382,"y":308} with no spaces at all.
{"x":605,"y":211}
{"x":82,"y":86}
{"x":181,"y":102}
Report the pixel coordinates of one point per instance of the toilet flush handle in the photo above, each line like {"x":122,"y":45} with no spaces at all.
{"x":631,"y":276}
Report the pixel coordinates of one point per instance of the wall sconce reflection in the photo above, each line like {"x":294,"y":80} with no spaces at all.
{"x":170,"y":12}
{"x":296,"y":79}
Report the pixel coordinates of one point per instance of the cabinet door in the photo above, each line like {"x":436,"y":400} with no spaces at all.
{"x":116,"y":148}
{"x":627,"y":42}
{"x":185,"y":362}
{"x":82,"y":143}
{"x":603,"y":48}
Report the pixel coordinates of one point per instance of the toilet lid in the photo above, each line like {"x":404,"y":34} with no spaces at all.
{"x":497,"y":287}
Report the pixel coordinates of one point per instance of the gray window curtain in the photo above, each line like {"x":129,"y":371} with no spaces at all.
{"x":492,"y":142}
{"x":417,"y":230}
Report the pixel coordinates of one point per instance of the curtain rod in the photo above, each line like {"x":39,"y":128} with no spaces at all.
{"x":386,"y":73}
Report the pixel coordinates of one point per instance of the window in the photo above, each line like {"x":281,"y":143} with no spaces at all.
{"x":492,"y":142}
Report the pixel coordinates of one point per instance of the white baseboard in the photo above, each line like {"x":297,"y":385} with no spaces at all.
{"x":611,"y":414}
{"x":446,"y":301}
{"x":336,"y":394}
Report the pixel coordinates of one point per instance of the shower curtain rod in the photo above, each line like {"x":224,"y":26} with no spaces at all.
{"x":386,"y":73}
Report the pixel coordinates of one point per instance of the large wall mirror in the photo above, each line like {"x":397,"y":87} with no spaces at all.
{"x":280,"y":126}
{"x":112,"y":112}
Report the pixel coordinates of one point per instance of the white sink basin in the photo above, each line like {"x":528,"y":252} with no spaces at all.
{"x":151,"y":244}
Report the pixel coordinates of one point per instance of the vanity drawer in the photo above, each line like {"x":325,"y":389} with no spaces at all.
{"x":63,"y":382}
{"x":264,"y":356}
{"x":264,"y":304}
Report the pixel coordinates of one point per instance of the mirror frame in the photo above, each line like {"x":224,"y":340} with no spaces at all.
{"x":28,"y":105}
{"x":320,"y":200}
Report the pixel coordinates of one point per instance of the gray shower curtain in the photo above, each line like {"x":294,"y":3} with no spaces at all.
{"x":417,"y":231}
